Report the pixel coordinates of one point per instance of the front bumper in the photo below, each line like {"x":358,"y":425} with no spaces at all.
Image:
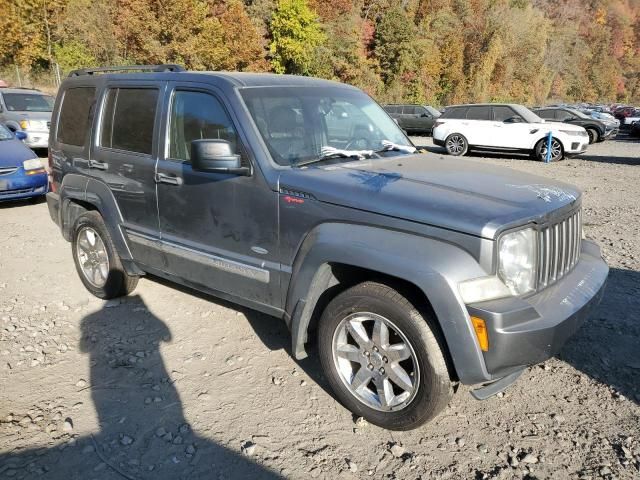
{"x":611,"y":133}
{"x":576,"y":146}
{"x":526,"y":331}
{"x":18,"y":185}
{"x":36,"y":139}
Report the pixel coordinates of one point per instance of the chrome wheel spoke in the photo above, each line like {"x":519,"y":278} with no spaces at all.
{"x":398,"y":352}
{"x":385,"y":391}
{"x":361,"y":379}
{"x":400,"y":377}
{"x":380,"y":334}
{"x":359,"y":333}
{"x":350,"y":352}
{"x":92,"y":257}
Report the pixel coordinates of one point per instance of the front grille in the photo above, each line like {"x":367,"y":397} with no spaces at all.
{"x":7,"y":170}
{"x":20,"y":191}
{"x":559,"y":249}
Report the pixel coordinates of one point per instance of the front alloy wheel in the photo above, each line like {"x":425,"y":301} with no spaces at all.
{"x":379,"y":369}
{"x":383,"y":357}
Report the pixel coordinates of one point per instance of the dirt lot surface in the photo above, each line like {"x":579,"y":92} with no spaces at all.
{"x":168,"y":384}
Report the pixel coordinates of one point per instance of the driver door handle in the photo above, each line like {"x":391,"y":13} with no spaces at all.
{"x":168,"y":179}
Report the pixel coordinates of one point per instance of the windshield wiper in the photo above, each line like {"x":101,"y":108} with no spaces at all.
{"x":388,"y":146}
{"x":327,"y":153}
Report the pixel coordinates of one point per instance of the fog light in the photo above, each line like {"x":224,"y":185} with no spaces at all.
{"x":481,"y":333}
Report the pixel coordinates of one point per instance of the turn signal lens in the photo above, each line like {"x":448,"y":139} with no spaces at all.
{"x":481,"y":333}
{"x":24,"y":124}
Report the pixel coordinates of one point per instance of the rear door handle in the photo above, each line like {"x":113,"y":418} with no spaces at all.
{"x":98,"y":165}
{"x":168,"y":179}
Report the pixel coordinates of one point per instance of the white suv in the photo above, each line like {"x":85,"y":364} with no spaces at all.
{"x":505,"y":127}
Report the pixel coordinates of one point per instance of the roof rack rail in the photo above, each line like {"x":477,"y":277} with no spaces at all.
{"x":168,"y":67}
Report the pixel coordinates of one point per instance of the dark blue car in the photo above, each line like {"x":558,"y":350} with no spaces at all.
{"x":22,"y":174}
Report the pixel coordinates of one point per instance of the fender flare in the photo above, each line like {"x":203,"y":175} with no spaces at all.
{"x":12,"y":125}
{"x":97,"y":194}
{"x":432,"y":265}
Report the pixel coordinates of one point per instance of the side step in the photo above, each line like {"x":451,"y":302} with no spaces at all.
{"x":496,"y":387}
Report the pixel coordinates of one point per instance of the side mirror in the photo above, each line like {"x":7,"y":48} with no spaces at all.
{"x":426,"y":115}
{"x":20,"y":135}
{"x":214,"y":155}
{"x":513,"y":120}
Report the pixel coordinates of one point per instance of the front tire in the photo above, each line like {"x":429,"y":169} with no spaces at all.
{"x":557,"y":153}
{"x":456,"y":144}
{"x":382,"y":358}
{"x":593,"y":135}
{"x":96,"y":259}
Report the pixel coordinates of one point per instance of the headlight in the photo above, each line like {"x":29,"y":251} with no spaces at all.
{"x":33,"y":164}
{"x":573,"y":133}
{"x":517,"y":260}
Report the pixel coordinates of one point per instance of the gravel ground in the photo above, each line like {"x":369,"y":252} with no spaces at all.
{"x":169,"y":384}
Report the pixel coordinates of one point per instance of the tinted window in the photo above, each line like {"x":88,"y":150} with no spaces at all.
{"x":390,"y":108}
{"x":455,"y":112}
{"x":548,"y":114}
{"x":479,"y":113}
{"x":195,"y":116}
{"x":500,"y":113}
{"x":563,"y":115}
{"x":128,"y":119}
{"x":409,"y":110}
{"x":73,"y":122}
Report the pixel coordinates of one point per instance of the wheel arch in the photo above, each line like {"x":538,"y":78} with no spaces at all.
{"x":336,"y":256}
{"x":79,"y":194}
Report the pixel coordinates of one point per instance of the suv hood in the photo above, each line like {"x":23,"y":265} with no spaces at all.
{"x":470,"y":197}
{"x":559,"y":125}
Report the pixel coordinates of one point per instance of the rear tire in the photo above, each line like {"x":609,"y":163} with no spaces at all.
{"x":456,"y":144}
{"x":397,"y":380}
{"x":557,"y":152}
{"x":96,"y":259}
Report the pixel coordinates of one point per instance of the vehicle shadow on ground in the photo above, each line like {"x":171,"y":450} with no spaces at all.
{"x":607,"y":346}
{"x":143,"y":430}
{"x":271,"y":331}
{"x":612,"y":160}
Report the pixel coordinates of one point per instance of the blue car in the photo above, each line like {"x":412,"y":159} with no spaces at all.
{"x":22,"y":174}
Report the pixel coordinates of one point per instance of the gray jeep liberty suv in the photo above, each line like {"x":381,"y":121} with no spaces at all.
{"x":303,"y":199}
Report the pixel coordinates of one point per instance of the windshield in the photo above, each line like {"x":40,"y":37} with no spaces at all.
{"x":5,"y":134}
{"x":527,"y":114}
{"x":579,"y":114}
{"x":297,"y":123}
{"x":28,"y":102}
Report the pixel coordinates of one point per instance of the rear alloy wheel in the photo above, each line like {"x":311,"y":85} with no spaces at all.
{"x":382,"y":358}
{"x":593,"y":135}
{"x":556,"y":150}
{"x":96,"y":259}
{"x":456,"y":144}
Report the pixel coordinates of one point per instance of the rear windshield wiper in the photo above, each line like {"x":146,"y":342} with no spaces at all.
{"x":327,"y":153}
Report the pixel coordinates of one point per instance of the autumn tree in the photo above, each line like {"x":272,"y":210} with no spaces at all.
{"x":296,"y":35}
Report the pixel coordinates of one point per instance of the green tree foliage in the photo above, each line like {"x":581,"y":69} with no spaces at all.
{"x":435,"y":51}
{"x":296,"y":35}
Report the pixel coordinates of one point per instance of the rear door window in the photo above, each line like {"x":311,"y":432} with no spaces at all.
{"x":479,"y":113}
{"x":74,"y":121}
{"x":547,"y":114}
{"x":128,"y":119}
{"x":564,"y":115}
{"x":455,"y":112}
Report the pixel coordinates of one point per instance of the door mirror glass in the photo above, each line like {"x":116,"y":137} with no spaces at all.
{"x":21,"y":135}
{"x":215,"y":155}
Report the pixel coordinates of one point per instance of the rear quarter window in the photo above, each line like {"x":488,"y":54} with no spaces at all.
{"x":479,"y":113}
{"x":74,"y":120}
